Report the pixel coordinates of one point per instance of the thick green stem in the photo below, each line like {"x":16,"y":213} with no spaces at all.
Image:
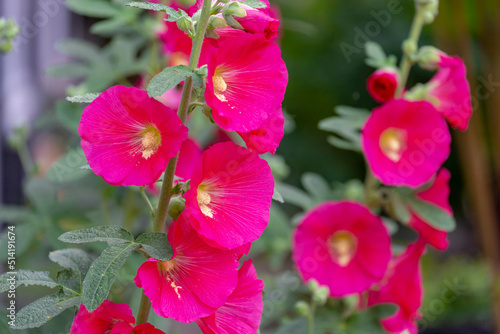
{"x":166,"y":189}
{"x":310,"y":322}
{"x":407,"y":62}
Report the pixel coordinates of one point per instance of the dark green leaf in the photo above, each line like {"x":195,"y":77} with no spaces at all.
{"x":400,"y":209}
{"x":316,"y":186}
{"x":173,"y":15}
{"x":80,"y":49}
{"x":69,"y":281}
{"x":102,"y":274}
{"x":44,"y":309}
{"x":432,"y":214}
{"x":69,"y":114}
{"x":109,"y":234}
{"x":93,"y":8}
{"x":295,"y":196}
{"x":75,"y":259}
{"x":109,"y":26}
{"x":85,"y":98}
{"x":156,"y":245}
{"x":14,"y":214}
{"x":168,"y":79}
{"x":26,"y":277}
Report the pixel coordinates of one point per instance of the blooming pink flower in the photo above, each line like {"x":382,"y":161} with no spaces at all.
{"x":436,"y":194}
{"x":246,"y":82}
{"x":230,"y":195}
{"x":195,"y":282}
{"x":109,"y":318}
{"x":128,"y":137}
{"x":341,"y":245}
{"x":451,"y":91}
{"x":242,"y":312}
{"x":405,"y":142}
{"x":268,"y":136}
{"x":189,"y":155}
{"x":382,"y":84}
{"x":403,"y":287}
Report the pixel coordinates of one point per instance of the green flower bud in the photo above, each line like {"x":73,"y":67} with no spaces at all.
{"x":320,"y":296}
{"x":409,"y":47}
{"x":233,"y":9}
{"x":215,"y":22}
{"x":428,"y":57}
{"x":302,"y":308}
{"x":313,"y":285}
{"x":176,"y":207}
{"x":11,"y":29}
{"x":184,"y":23}
{"x":6,"y":46}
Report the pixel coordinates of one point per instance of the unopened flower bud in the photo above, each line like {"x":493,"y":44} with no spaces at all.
{"x":409,"y":47}
{"x":176,"y":207}
{"x":302,"y":308}
{"x":313,"y":285}
{"x":382,"y":84}
{"x":234,"y":9}
{"x":428,"y":57}
{"x":215,"y":22}
{"x":5,"y":46}
{"x":320,"y":296}
{"x":184,"y":23}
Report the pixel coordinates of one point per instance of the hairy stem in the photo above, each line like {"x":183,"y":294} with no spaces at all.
{"x":166,"y":189}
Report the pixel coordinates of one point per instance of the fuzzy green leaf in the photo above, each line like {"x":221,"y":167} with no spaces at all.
{"x":168,"y":79}
{"x":109,"y":234}
{"x":80,"y":49}
{"x":84,"y":98}
{"x":432,"y":214}
{"x":93,"y":8}
{"x":27,"y":277}
{"x":374,"y":51}
{"x":70,"y":282}
{"x":173,"y":15}
{"x":44,"y":309}
{"x":156,"y":245}
{"x":103,"y":272}
{"x":75,"y":259}
{"x":253,"y":3}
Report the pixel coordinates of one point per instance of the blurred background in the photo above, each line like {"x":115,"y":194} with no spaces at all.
{"x":322,"y":45}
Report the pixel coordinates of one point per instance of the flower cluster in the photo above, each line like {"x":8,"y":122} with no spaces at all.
{"x":129,"y":138}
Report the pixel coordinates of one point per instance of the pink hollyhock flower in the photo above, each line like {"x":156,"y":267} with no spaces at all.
{"x":268,"y":136}
{"x":242,"y":312}
{"x":246,"y":82}
{"x":405,"y":142}
{"x":382,"y":84}
{"x":230,"y":195}
{"x":128,"y":137}
{"x":450,"y":91}
{"x":189,"y":155}
{"x":341,"y":245}
{"x":436,"y":194}
{"x":109,"y":318}
{"x":403,"y":287}
{"x":195,"y":282}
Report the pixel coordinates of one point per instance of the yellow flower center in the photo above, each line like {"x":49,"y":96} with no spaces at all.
{"x":220,"y":85}
{"x":204,"y":199}
{"x":393,"y":143}
{"x":151,"y":140}
{"x":342,"y":246}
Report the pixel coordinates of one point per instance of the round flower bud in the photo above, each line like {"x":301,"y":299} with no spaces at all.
{"x":176,"y":207}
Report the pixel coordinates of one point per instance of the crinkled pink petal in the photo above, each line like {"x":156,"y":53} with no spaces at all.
{"x":426,"y":142}
{"x":102,"y":320}
{"x":314,"y":255}
{"x":242,"y":312}
{"x":451,"y":90}
{"x":112,"y":136}
{"x":436,"y":194}
{"x":268,"y":136}
{"x":402,"y":286}
{"x":382,"y":84}
{"x":246,"y":82}
{"x":195,"y":282}
{"x":230,"y":195}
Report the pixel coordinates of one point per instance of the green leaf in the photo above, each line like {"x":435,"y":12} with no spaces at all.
{"x":44,"y":309}
{"x":80,"y":49}
{"x":69,"y":114}
{"x":253,"y":3}
{"x":68,"y":70}
{"x":156,"y":245}
{"x":26,"y":277}
{"x":432,"y":214}
{"x":75,"y":259}
{"x":109,"y":27}
{"x":93,"y":8}
{"x":316,"y":186}
{"x":14,"y":214}
{"x":400,"y":209}
{"x":103,"y":272}
{"x":68,"y":167}
{"x":391,"y":225}
{"x":294,"y":196}
{"x":85,"y":98}
{"x":173,"y":15}
{"x":168,"y":79}
{"x":374,"y":51}
{"x":277,"y":196}
{"x":70,"y":282}
{"x":109,"y":234}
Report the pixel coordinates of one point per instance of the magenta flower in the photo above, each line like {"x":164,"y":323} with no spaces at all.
{"x":230,"y":195}
{"x":403,"y":287}
{"x":128,"y":137}
{"x":268,"y":136}
{"x":450,"y":91}
{"x":382,"y":84}
{"x":246,"y":82}
{"x":341,"y":245}
{"x":242,"y":312}
{"x":109,"y":318}
{"x":189,"y":155}
{"x":405,"y":142}
{"x":436,"y":194}
{"x":195,"y":282}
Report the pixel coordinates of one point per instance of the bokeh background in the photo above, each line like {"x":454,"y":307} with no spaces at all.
{"x":322,"y":44}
